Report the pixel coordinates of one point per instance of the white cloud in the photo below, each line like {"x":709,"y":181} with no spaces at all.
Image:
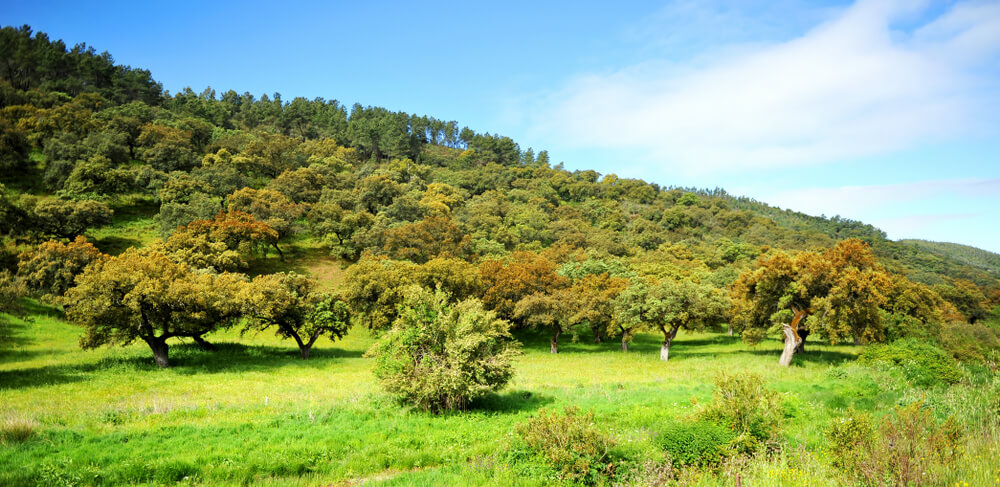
{"x":852,"y":86}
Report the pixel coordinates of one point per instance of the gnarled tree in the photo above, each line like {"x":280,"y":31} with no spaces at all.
{"x":144,"y":295}
{"x":836,"y":293}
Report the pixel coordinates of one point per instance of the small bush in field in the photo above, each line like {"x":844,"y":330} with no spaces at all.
{"x":908,"y":447}
{"x":923,"y":363}
{"x":744,"y":405}
{"x":15,"y":429}
{"x":570,"y":442}
{"x":848,"y":435}
{"x":696,"y":444}
{"x":438,"y":356}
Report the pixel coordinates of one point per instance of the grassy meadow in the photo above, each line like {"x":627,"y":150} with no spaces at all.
{"x":252,"y":413}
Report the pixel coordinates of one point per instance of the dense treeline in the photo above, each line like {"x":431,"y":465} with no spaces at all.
{"x":406,"y":201}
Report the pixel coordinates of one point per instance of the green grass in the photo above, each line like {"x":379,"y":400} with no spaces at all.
{"x":253,"y":413}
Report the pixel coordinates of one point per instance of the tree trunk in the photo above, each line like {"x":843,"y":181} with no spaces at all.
{"x":792,"y":339}
{"x":281,"y":255}
{"x":554,"y":343}
{"x":668,"y":338}
{"x":203,"y":344}
{"x":160,"y":351}
{"x":730,"y":331}
{"x":802,"y":343}
{"x":624,"y":344}
{"x":304,"y":347}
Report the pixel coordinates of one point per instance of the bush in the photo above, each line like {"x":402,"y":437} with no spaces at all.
{"x":15,"y":429}
{"x":569,"y":442}
{"x":908,"y":447}
{"x":750,"y":410}
{"x":697,"y":444}
{"x":439,"y":356}
{"x":969,"y":342}
{"x":923,"y":363}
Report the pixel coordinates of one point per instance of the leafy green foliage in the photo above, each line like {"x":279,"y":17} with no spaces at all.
{"x":52,"y":267}
{"x":68,"y":218}
{"x":696,"y":443}
{"x":570,"y":442}
{"x":290,"y":304}
{"x":742,"y":403}
{"x":439,"y":356}
{"x":908,"y":447}
{"x":923,"y":363}
{"x":144,"y":295}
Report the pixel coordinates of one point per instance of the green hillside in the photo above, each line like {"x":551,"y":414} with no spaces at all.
{"x":218,"y":288}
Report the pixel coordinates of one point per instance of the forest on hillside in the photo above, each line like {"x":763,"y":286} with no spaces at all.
{"x":143,"y":216}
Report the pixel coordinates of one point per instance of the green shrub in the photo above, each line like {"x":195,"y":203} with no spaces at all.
{"x":908,"y":447}
{"x":569,"y":442}
{"x":698,"y":443}
{"x":923,"y":363}
{"x":969,"y":342}
{"x":848,"y":435}
{"x":746,"y":407}
{"x":439,"y":356}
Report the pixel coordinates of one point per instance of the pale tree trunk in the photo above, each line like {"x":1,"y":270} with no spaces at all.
{"x":730,"y":330}
{"x":792,"y":339}
{"x":554,"y":343}
{"x":624,"y":339}
{"x":668,"y":338}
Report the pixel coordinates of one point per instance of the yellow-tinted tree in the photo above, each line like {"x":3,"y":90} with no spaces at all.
{"x":226,"y":243}
{"x":291,"y":304}
{"x":507,"y":282}
{"x":373,"y":289}
{"x":840,"y":291}
{"x":51,"y":267}
{"x":268,"y":206}
{"x":144,"y":295}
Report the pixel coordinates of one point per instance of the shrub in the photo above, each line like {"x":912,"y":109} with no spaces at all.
{"x":969,"y":342}
{"x":923,"y":363}
{"x":697,"y":444}
{"x":16,"y":429}
{"x":908,"y":447}
{"x":439,"y":356}
{"x":569,"y":442}
{"x":746,"y":407}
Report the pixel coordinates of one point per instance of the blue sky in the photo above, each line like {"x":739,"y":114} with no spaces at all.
{"x":885,"y":111}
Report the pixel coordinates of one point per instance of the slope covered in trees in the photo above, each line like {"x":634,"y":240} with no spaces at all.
{"x":187,"y":228}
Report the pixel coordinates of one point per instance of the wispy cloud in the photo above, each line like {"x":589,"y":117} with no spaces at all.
{"x":854,"y":85}
{"x":854,"y":200}
{"x":938,"y":210}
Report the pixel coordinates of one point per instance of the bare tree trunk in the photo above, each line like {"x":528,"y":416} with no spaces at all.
{"x":624,"y":344}
{"x":554,"y":343}
{"x":792,"y":342}
{"x":668,"y":338}
{"x":160,"y":351}
{"x":304,"y":347}
{"x":792,"y":338}
{"x":730,"y":330}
